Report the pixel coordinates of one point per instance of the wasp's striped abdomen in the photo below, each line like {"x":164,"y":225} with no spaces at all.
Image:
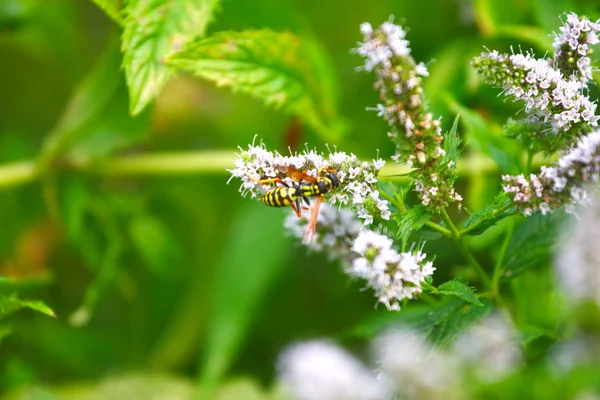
{"x":280,"y":196}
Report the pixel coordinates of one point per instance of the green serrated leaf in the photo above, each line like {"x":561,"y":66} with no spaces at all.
{"x":112,"y":8}
{"x":279,"y":68}
{"x":452,"y":142}
{"x":480,"y":221}
{"x":533,"y":243}
{"x":412,"y":221}
{"x":457,"y":319}
{"x":153,"y":29}
{"x":460,"y":290}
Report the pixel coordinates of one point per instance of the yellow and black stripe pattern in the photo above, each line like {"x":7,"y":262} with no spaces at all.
{"x":280,"y":196}
{"x":306,"y":187}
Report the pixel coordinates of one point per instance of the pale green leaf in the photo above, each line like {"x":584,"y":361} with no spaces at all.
{"x":112,"y":8}
{"x":39,"y":306}
{"x":451,"y":143}
{"x":5,"y":330}
{"x":279,"y":68}
{"x":153,"y":29}
{"x":11,"y":304}
{"x":154,"y":243}
{"x":460,"y":290}
{"x":254,"y":259}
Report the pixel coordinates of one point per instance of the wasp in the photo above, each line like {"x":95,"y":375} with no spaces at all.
{"x":306,"y":186}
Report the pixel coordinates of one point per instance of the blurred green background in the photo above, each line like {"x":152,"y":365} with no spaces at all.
{"x":174,"y":272}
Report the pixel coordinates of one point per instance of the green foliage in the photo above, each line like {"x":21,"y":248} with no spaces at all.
{"x":481,"y":220}
{"x":459,"y":289}
{"x":533,"y":243}
{"x":451,"y":143}
{"x":254,"y":260}
{"x":153,"y":29}
{"x":11,"y":303}
{"x":487,"y":137}
{"x":454,"y":318}
{"x":411,"y":221}
{"x":282,"y":69}
{"x":152,"y":262}
{"x":112,"y":8}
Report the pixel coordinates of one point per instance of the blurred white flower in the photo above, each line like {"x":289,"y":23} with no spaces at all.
{"x":321,"y":370}
{"x":414,"y":368}
{"x":491,"y":349}
{"x":577,"y":261}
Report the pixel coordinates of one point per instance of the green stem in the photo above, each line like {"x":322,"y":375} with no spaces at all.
{"x":154,"y":164}
{"x":177,"y":163}
{"x":528,"y":162}
{"x":465,"y":251}
{"x":498,"y":266}
{"x":18,"y":173}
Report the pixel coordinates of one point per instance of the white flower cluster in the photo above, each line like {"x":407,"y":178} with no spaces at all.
{"x":380,"y":52}
{"x":571,"y":46}
{"x":561,"y":185}
{"x":335,"y":230}
{"x":394,"y":276}
{"x":320,"y":370}
{"x":545,"y":91}
{"x":357,"y":179}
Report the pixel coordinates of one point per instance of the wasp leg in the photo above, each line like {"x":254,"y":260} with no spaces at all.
{"x":297,"y":209}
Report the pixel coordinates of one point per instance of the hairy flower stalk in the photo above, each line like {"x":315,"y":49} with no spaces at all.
{"x":571,"y":49}
{"x":368,"y":255}
{"x":414,"y":130}
{"x":358,"y":180}
{"x":561,"y":185}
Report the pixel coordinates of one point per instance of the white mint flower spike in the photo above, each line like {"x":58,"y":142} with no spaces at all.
{"x":320,"y":370}
{"x":414,"y":131}
{"x":561,"y":185}
{"x":357,"y":179}
{"x":571,"y":47}
{"x":393,"y":276}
